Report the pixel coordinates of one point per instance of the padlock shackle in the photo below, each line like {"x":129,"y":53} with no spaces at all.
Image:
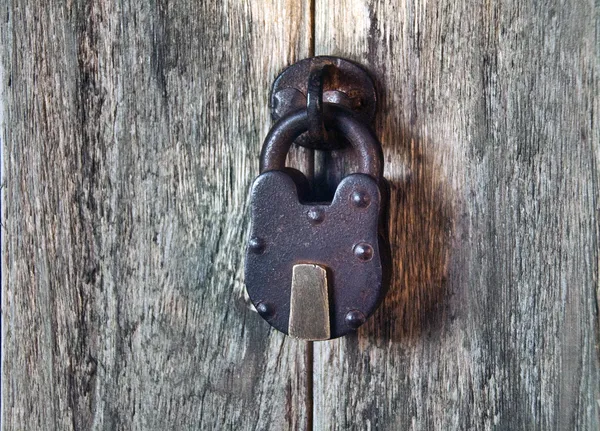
{"x":288,"y":128}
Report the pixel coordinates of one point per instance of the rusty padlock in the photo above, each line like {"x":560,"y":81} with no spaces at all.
{"x":318,"y":270}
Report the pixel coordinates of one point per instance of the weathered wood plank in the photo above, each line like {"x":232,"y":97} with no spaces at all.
{"x":490,"y":128}
{"x":131,"y":132}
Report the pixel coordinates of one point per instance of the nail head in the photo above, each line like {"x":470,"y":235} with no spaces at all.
{"x":355,"y":318}
{"x":360,"y":199}
{"x":363,"y":251}
{"x":316,"y":215}
{"x":265,"y":309}
{"x":256,"y":245}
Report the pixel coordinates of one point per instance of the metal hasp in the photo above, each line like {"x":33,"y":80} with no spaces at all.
{"x":318,"y":270}
{"x":316,"y":83}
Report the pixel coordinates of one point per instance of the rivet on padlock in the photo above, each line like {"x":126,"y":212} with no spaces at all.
{"x":317,"y":271}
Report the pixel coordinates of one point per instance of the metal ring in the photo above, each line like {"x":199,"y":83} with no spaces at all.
{"x":288,"y":128}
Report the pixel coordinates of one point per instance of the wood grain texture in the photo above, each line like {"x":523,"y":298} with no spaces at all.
{"x":131,"y":132}
{"x":489,"y":122}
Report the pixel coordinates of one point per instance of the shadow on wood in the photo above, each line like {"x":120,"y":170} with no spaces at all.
{"x":420,"y":233}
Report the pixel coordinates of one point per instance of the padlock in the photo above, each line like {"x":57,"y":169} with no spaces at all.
{"x":314,"y":270}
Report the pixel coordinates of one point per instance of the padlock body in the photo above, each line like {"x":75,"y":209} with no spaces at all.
{"x":343,"y":237}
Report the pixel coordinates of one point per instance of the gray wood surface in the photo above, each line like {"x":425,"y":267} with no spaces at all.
{"x":131,"y":133}
{"x":490,"y":130}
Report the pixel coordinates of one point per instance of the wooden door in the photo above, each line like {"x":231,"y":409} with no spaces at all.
{"x":131,"y":132}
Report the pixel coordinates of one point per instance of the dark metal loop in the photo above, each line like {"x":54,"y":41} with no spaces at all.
{"x":344,"y":83}
{"x":288,"y":128}
{"x":314,"y":105}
